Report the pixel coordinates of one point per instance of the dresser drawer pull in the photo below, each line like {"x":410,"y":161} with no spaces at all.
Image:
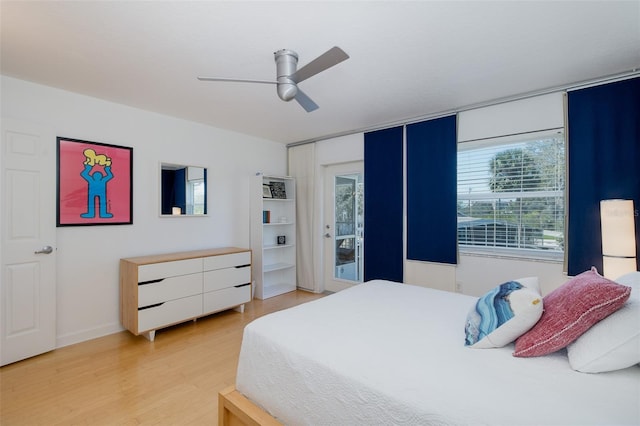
{"x":151,"y":306}
{"x":151,"y":281}
{"x":243,"y":266}
{"x":242,"y":285}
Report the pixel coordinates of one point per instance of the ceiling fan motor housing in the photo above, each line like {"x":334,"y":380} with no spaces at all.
{"x":286,"y":64}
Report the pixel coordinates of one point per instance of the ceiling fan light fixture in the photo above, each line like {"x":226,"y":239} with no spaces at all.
{"x":287,"y":90}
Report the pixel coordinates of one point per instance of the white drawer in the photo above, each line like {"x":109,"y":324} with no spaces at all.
{"x":227,"y":260}
{"x":224,"y":278}
{"x":156,"y":271}
{"x":226,"y":298}
{"x":168,"y":313}
{"x":169,"y":289}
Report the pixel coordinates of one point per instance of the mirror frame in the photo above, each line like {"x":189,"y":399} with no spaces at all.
{"x":167,"y":166}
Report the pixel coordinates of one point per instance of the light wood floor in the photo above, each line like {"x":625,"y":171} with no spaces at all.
{"x":122,"y":379}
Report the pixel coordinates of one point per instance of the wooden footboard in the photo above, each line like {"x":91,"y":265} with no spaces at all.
{"x":235,"y":409}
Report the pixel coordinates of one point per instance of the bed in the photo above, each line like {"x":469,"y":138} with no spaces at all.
{"x":389,"y":353}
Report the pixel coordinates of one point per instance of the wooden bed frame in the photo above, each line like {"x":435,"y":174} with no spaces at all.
{"x":235,"y":409}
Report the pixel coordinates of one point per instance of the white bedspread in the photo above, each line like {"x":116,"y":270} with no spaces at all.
{"x":384,"y":353}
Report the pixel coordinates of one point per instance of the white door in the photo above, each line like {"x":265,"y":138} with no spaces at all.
{"x":27,"y":250}
{"x":344,"y":225}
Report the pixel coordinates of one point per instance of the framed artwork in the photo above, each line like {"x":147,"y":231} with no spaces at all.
{"x":278,"y":190}
{"x":266,"y":191}
{"x":94,"y":183}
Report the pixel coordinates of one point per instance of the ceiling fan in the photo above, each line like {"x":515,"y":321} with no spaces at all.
{"x":288,"y":77}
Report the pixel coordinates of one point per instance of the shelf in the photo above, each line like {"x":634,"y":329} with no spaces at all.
{"x":278,"y":200}
{"x":277,"y":246}
{"x":277,"y":289}
{"x":277,"y":267}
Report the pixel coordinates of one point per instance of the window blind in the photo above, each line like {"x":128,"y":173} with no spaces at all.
{"x":511,"y":194}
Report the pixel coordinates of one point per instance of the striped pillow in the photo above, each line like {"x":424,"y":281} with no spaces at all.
{"x":503,"y":314}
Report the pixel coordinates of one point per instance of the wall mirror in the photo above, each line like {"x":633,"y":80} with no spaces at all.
{"x":183,"y":190}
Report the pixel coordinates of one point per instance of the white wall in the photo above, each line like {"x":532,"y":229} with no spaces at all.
{"x":88,"y":257}
{"x":509,"y":118}
{"x":475,"y":273}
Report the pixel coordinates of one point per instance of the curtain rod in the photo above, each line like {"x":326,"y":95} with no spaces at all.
{"x":569,"y":87}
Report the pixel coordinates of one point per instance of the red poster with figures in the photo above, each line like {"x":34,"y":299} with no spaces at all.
{"x":95,"y":183}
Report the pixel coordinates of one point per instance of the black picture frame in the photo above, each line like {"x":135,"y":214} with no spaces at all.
{"x":278,"y":190}
{"x":94,"y":183}
{"x":266,"y":191}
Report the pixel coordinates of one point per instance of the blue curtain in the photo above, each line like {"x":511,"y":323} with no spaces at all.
{"x":431,"y":191}
{"x":603,"y":162}
{"x":383,"y":226}
{"x":173,"y":190}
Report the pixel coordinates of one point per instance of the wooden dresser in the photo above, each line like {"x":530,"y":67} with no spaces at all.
{"x":161,"y":290}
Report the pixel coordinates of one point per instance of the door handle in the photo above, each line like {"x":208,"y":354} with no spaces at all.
{"x":327,"y":235}
{"x":44,"y":250}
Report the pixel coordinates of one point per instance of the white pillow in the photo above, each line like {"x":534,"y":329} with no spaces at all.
{"x":503,"y":314}
{"x":530,"y":282}
{"x":614,"y":342}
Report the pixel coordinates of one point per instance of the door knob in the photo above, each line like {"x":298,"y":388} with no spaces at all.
{"x":44,"y":250}
{"x":327,"y":235}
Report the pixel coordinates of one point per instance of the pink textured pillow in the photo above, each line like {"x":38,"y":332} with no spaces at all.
{"x":569,"y":311}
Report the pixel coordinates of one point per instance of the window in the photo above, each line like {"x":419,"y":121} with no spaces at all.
{"x":511,"y":193}
{"x":195,"y":196}
{"x":196,"y":187}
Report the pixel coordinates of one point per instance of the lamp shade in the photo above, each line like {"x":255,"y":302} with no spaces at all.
{"x":618,"y":237}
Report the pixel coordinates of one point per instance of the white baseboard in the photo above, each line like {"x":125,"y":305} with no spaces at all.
{"x":87,"y":334}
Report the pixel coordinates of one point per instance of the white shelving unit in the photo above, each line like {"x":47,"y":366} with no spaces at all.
{"x":274,"y":262}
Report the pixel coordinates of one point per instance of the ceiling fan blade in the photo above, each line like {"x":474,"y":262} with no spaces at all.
{"x":305,"y":101}
{"x":331,"y":57}
{"x":236,"y":80}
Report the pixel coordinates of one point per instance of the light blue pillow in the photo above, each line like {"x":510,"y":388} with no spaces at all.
{"x":503,"y":314}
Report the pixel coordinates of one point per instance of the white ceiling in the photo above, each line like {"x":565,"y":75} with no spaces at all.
{"x":407,"y":59}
